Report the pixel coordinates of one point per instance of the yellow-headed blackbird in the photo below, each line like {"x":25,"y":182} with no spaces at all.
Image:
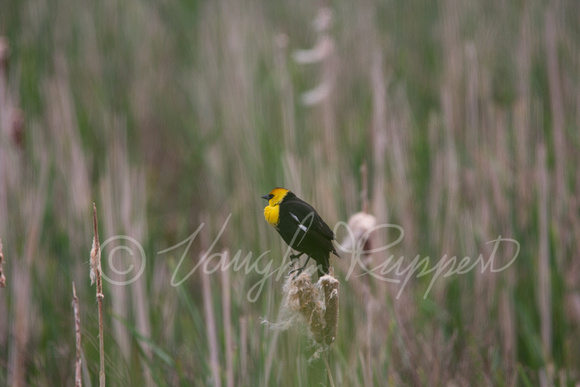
{"x":301,"y":227}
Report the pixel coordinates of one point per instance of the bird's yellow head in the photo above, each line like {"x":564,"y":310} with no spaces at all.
{"x":272,"y":210}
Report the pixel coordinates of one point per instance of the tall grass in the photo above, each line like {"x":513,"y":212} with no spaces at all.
{"x":173,"y":114}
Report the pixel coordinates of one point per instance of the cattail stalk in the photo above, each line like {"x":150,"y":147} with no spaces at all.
{"x":78,"y":362}
{"x":229,"y":343}
{"x":210,"y":323}
{"x":558,"y":119}
{"x":364,"y":193}
{"x":329,"y":374}
{"x":2,"y":278}
{"x":317,"y":304}
{"x":243,"y":350}
{"x":96,"y":276}
{"x":544,"y":283}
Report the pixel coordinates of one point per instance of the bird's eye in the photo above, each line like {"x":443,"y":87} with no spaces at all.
{"x":270,"y":196}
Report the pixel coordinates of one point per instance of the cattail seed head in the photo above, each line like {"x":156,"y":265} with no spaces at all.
{"x":316,"y":304}
{"x":304,"y":298}
{"x":330,"y":286}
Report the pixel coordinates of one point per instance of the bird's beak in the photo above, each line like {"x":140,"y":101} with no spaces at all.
{"x":267,"y":197}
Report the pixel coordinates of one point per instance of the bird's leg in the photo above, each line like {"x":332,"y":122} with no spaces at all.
{"x":300,"y":269}
{"x":295,"y":257}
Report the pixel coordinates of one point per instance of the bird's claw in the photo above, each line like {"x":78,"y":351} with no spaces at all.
{"x":298,"y":270}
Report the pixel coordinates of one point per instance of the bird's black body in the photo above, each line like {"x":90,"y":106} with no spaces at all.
{"x":304,"y":230}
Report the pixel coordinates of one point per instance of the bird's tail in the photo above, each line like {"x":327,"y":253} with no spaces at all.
{"x":334,"y":252}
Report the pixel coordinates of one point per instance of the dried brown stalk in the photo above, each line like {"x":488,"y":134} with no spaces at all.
{"x":2,"y":278}
{"x":96,"y":276}
{"x":544,"y":283}
{"x":4,"y":52}
{"x":78,"y":363}
{"x":210,"y":323}
{"x":364,"y":193}
{"x":244,"y":350}
{"x":558,"y":119}
{"x":227,"y":320}
{"x":328,"y":373}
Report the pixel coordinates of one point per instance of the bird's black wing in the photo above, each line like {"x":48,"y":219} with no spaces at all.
{"x":299,"y":210}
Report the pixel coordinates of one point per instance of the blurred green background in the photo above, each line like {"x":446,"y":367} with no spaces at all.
{"x":175,"y":113}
